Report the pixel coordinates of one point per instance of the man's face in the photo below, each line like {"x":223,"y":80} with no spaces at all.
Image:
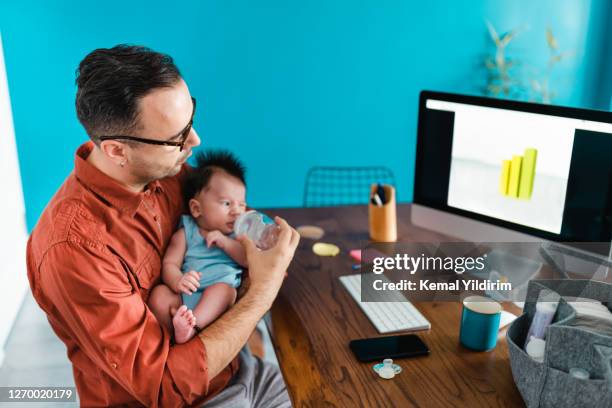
{"x":221,"y":202}
{"x":163,"y":114}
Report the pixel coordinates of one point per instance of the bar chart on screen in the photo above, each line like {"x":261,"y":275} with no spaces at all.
{"x":518,"y":174}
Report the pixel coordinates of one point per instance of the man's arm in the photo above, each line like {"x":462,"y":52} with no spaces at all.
{"x":227,"y":335}
{"x":89,"y":292}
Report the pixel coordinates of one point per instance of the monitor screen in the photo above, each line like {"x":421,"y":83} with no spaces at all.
{"x":539,"y":169}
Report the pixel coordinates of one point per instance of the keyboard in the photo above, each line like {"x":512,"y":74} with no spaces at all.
{"x":387,"y":317}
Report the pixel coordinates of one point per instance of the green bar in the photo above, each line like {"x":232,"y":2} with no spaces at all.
{"x":527,"y":174}
{"x":505,"y":177}
{"x":515,"y":176}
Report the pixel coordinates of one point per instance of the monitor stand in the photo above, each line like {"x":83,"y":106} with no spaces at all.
{"x":505,"y":266}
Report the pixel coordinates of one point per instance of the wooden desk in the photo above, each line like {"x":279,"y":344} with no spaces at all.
{"x":314,"y":318}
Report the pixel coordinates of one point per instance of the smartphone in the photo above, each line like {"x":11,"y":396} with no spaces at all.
{"x":379,"y":348}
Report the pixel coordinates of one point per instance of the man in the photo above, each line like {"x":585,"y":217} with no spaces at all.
{"x":95,"y":254}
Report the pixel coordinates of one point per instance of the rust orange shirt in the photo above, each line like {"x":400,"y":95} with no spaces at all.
{"x":92,"y":261}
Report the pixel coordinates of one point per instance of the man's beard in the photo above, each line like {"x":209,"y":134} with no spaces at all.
{"x":145,"y":174}
{"x":175,"y":170}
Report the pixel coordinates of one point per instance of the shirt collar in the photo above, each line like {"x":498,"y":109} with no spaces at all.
{"x":109,"y":189}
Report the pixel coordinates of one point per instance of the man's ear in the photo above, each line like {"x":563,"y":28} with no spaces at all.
{"x":115,"y":151}
{"x":194,"y":208}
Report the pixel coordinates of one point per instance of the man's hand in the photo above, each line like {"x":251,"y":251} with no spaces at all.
{"x":267,"y":268}
{"x":216,"y":238}
{"x":225,"y":337}
{"x":188,"y":283}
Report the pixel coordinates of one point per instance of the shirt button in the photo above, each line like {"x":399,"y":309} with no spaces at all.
{"x":114,"y":365}
{"x":155,"y":217}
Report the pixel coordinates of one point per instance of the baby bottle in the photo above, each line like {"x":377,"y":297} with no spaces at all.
{"x":545,"y":311}
{"x":546,"y":307}
{"x":260,"y":228}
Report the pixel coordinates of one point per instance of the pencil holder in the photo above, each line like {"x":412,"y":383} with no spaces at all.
{"x":383,"y":219}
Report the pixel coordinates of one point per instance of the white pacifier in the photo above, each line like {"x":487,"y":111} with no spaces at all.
{"x":387,"y":369}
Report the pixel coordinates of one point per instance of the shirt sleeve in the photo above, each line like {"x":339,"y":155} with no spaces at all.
{"x":95,"y":298}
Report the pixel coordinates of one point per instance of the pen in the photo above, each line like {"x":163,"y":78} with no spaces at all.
{"x":380,"y":191}
{"x":377,"y":200}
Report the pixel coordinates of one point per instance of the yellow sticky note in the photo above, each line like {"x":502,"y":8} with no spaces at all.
{"x":323,"y":249}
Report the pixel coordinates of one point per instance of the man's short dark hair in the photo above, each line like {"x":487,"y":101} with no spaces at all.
{"x":110,"y":81}
{"x":207,"y":163}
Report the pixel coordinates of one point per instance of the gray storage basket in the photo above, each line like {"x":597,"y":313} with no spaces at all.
{"x":549,"y":384}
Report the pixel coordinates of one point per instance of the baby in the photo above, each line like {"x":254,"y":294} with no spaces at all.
{"x":203,"y":262}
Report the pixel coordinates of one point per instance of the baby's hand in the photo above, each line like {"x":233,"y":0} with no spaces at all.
{"x":215,"y":238}
{"x":189,"y":282}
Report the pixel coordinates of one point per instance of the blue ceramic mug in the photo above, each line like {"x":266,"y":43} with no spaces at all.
{"x":479,"y":323}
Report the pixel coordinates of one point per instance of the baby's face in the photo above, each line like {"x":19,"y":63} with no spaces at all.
{"x":221,"y":202}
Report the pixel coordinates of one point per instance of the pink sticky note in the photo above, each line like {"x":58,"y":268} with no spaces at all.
{"x":356,"y":254}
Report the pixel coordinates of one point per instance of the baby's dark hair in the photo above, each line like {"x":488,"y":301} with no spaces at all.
{"x":207,"y":163}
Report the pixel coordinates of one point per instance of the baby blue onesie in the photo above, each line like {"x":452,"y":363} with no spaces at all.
{"x":213,"y":263}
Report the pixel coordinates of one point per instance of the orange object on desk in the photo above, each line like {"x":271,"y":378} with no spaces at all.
{"x":383,"y":218}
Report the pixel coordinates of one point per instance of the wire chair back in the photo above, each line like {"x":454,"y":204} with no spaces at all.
{"x":328,"y":186}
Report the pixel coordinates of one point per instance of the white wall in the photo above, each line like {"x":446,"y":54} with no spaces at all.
{"x":13,"y":230}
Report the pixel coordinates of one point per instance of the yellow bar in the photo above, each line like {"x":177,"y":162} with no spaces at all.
{"x":505,"y":177}
{"x":527,"y":173}
{"x":515,"y":176}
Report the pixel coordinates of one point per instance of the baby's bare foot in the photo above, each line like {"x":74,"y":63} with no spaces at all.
{"x":184,"y":325}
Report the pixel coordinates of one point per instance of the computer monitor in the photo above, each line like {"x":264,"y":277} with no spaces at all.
{"x":499,"y":170}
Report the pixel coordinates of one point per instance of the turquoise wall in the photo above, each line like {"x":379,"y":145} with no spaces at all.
{"x":287,"y":84}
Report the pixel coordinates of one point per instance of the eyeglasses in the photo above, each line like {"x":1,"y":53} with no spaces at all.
{"x":183,"y":134}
